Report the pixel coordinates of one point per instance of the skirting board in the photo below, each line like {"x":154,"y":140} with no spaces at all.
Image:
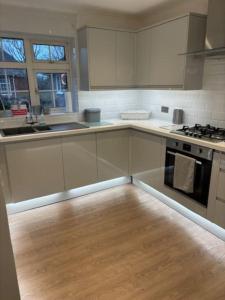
{"x":13,"y":208}
{"x":204,"y":223}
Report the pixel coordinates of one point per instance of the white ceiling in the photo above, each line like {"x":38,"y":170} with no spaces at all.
{"x":123,"y":6}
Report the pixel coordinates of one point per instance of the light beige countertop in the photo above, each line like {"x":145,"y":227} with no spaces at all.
{"x":154,"y":126}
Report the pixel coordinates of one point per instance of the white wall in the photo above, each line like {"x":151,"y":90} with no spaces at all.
{"x":39,"y":21}
{"x":36,"y":21}
{"x":173,"y":9}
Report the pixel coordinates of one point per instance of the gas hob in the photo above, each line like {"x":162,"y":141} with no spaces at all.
{"x":208,"y":132}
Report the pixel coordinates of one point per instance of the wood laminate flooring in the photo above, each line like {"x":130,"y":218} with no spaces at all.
{"x":119,"y":244}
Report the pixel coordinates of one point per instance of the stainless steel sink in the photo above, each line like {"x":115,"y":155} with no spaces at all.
{"x":41,"y":128}
{"x":17,"y":131}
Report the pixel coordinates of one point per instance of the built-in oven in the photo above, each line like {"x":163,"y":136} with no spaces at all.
{"x":202,"y":163}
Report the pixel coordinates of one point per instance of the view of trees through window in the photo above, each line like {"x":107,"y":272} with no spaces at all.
{"x":12,"y":50}
{"x":48,"y":69}
{"x":49,"y":52}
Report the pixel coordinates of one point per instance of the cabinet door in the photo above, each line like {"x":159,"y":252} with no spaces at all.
{"x":35,"y":168}
{"x":79,"y":159}
{"x":167,"y":67}
{"x":143,"y":57}
{"x":125,"y":58}
{"x":113,"y":154}
{"x":102,"y":57}
{"x":147,"y":157}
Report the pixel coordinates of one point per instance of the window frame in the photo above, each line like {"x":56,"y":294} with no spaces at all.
{"x":33,"y":66}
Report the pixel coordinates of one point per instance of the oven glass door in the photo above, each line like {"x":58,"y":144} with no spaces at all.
{"x":201,"y":180}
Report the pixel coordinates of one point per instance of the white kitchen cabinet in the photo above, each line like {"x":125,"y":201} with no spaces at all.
{"x":113,"y":154}
{"x":102,"y":57}
{"x":143,"y":58}
{"x":216,"y":205}
{"x":159,"y":63}
{"x":79,"y":159}
{"x":125,"y":59}
{"x":35,"y":168}
{"x":147,"y":157}
{"x":167,"y":41}
{"x":107,"y":58}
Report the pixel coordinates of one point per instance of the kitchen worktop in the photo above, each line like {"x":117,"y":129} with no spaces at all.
{"x":154,"y":126}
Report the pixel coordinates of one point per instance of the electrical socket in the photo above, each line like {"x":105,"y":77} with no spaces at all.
{"x":165,"y":109}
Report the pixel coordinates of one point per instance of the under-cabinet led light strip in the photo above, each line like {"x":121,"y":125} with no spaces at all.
{"x":204,"y":223}
{"x":13,"y":208}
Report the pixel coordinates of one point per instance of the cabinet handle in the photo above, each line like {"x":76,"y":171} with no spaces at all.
{"x":174,"y":153}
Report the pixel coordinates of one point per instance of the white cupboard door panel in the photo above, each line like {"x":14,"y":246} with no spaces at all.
{"x":147,"y":162}
{"x":221,"y":186}
{"x":143,"y":57}
{"x":113,"y":154}
{"x":220,"y":213}
{"x":102,"y":57}
{"x":167,"y":67}
{"x":125,"y":58}
{"x":35,"y":168}
{"x":79,"y":158}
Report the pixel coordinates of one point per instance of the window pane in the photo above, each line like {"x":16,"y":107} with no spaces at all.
{"x":12,"y":50}
{"x":41,"y":52}
{"x":57,"y":53}
{"x":49,"y":52}
{"x":14,"y":86}
{"x":60,"y":81}
{"x":46,"y":99}
{"x":44,"y":81}
{"x":52,"y":88}
{"x":60,"y":99}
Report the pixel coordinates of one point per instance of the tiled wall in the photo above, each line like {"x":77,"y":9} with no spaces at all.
{"x":112,"y":103}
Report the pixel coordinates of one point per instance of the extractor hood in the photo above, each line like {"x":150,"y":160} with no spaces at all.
{"x":215,"y":34}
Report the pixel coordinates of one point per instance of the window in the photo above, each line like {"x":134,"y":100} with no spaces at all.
{"x":52,"y":88}
{"x":51,"y":53}
{"x":12,"y":50}
{"x":14,"y":85}
{"x":35,"y":71}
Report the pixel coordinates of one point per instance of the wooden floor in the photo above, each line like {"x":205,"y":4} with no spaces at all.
{"x":119,"y":244}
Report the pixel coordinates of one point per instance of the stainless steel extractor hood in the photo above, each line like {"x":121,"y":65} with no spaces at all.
{"x":215,"y":34}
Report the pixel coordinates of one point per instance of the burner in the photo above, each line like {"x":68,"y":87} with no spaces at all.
{"x":206,"y":132}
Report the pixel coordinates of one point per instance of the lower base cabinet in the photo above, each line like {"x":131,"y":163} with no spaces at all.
{"x":147,"y":158}
{"x":113,"y":154}
{"x":216,"y":206}
{"x":80,"y":161}
{"x":35,"y":168}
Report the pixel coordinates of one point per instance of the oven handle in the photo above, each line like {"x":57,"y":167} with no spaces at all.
{"x":174,"y":153}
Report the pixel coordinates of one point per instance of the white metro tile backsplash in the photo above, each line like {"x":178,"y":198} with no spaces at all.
{"x":111,"y":103}
{"x":199,"y":106}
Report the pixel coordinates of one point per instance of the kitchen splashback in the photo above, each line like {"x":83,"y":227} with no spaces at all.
{"x":112,"y":103}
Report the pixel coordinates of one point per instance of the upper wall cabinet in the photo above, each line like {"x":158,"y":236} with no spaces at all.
{"x":159,"y":63}
{"x":150,"y":58}
{"x":107,"y":58}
